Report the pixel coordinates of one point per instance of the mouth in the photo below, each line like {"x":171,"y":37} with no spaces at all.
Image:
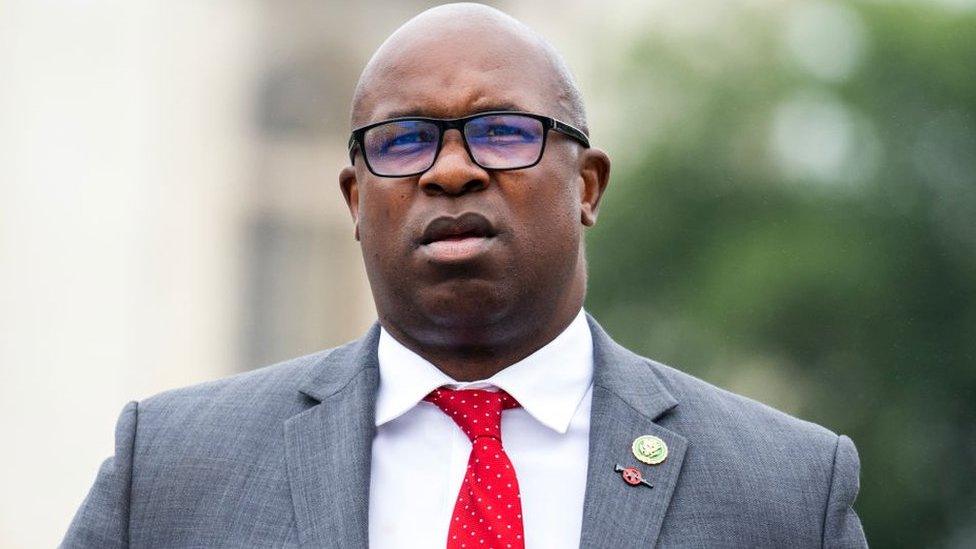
{"x":455,"y":239}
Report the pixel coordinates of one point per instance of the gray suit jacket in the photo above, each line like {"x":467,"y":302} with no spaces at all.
{"x":280,"y":457}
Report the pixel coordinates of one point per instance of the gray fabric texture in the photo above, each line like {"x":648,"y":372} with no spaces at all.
{"x":279,"y":457}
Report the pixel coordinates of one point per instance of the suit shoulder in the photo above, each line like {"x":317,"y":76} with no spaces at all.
{"x":276,"y":384}
{"x":774,"y":469}
{"x":237,"y":419}
{"x":715,"y":408}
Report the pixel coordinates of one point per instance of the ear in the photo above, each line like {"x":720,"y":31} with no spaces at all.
{"x":594,"y":177}
{"x":350,"y":191}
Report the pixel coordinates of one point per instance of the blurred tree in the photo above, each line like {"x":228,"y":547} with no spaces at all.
{"x":793,"y":216}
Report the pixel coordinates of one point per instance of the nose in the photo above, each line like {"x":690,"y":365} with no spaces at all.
{"x":453,"y":172}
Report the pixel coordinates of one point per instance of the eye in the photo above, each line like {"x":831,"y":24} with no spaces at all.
{"x":504,"y":130}
{"x":407,"y":142}
{"x":499,"y":130}
{"x":504,"y":134}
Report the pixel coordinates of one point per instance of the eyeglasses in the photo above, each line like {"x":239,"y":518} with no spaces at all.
{"x":498,"y":140}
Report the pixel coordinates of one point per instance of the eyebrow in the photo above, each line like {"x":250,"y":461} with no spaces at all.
{"x":425,"y":113}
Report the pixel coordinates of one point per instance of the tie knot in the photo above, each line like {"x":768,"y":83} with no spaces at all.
{"x":477,"y":412}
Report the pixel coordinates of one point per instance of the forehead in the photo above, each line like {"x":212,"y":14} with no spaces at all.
{"x":448,"y":77}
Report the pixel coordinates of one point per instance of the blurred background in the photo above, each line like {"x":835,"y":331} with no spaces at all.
{"x":792,"y":216}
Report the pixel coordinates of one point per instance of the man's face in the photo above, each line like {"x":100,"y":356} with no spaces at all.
{"x":459,"y":246}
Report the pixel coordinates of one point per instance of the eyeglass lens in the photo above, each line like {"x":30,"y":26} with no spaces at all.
{"x":503,"y":141}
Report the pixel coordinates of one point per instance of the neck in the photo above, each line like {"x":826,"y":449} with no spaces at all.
{"x":479,"y":353}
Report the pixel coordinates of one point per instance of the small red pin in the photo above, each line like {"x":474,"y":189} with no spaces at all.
{"x":632,"y":476}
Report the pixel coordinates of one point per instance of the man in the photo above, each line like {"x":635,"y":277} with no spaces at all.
{"x":485,"y":409}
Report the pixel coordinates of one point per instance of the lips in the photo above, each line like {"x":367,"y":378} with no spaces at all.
{"x":456,"y":239}
{"x":467,"y":225}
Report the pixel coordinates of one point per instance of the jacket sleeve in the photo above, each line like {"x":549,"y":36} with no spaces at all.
{"x":842,"y":527}
{"x":103,"y":518}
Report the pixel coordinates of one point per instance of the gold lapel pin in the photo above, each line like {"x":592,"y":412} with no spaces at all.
{"x":650,"y":449}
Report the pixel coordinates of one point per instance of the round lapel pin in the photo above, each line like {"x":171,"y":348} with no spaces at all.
{"x":650,"y":449}
{"x":632,"y":476}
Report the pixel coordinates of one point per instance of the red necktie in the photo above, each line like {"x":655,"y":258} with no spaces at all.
{"x":488,"y":511}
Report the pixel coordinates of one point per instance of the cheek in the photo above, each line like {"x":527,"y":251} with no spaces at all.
{"x":549,"y":213}
{"x":382,"y":210}
{"x":555,"y":201}
{"x":558,"y":182}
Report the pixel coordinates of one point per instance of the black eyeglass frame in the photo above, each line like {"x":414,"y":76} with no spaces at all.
{"x":444,"y":124}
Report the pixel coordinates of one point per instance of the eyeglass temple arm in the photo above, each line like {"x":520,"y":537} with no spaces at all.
{"x":352,"y":149}
{"x":566,"y":129}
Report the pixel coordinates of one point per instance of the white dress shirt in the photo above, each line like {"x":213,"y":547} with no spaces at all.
{"x":420,"y":455}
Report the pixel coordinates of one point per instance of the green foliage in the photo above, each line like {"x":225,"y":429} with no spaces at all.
{"x":738,"y":244}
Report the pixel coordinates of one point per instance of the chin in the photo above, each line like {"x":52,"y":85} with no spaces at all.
{"x":465,"y":304}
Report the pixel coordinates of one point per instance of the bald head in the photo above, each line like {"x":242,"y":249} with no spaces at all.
{"x":466,"y":57}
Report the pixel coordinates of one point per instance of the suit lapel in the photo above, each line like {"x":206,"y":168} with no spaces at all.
{"x":627,"y":399}
{"x":328,"y":447}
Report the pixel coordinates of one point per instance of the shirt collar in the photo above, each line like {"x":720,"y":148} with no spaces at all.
{"x":549,"y":384}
